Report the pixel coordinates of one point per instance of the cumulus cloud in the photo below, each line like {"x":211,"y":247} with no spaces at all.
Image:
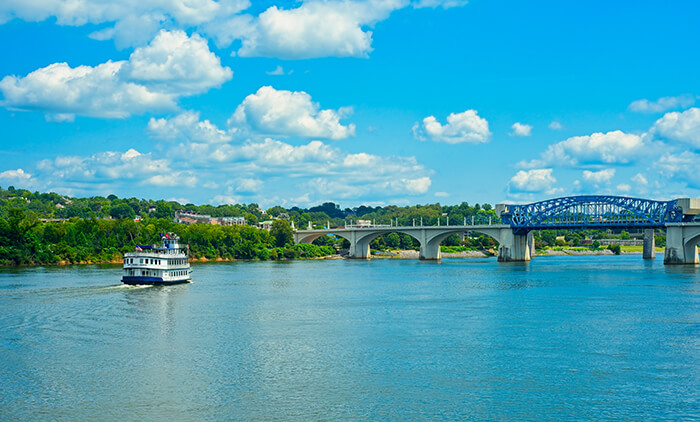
{"x":682,"y":167}
{"x":112,"y":166}
{"x":465,"y":127}
{"x":187,"y":127}
{"x":662,"y":104}
{"x":17,"y":177}
{"x":520,"y":129}
{"x":614,"y":147}
{"x":682,"y":127}
{"x":245,"y":185}
{"x":178,"y":64}
{"x":290,"y":113}
{"x":598,"y":177}
{"x":134,"y":21}
{"x":535,"y":180}
{"x":555,"y":125}
{"x":316,"y":28}
{"x":153,"y":79}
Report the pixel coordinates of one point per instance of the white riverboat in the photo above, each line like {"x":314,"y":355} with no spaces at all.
{"x":151,"y":265}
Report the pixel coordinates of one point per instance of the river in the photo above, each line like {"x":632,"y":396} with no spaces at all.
{"x":559,"y":338}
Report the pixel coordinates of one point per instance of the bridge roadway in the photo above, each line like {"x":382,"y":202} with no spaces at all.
{"x":512,"y":247}
{"x":681,"y":240}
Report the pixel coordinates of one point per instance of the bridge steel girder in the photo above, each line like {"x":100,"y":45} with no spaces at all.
{"x":682,"y":244}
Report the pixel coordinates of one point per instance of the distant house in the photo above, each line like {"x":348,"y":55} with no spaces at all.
{"x":232,"y":221}
{"x":189,"y":217}
{"x":267,"y":225}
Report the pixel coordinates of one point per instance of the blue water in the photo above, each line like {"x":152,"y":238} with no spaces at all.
{"x":560,"y":338}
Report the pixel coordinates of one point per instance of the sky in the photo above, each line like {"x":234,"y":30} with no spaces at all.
{"x":373,"y":102}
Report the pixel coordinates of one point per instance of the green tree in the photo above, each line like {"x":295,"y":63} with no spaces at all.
{"x":393,"y":240}
{"x":122,"y":211}
{"x":281,"y":231}
{"x":164,"y":210}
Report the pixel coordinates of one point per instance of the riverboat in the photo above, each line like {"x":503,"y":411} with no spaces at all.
{"x":164,"y":265}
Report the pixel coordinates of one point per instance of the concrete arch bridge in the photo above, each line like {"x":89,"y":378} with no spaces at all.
{"x":513,"y":225}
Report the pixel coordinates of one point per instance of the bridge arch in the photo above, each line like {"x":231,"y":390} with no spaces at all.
{"x":362,"y":242}
{"x":309,"y":238}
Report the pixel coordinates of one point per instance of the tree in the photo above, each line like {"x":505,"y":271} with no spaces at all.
{"x":393,"y":240}
{"x":122,"y":211}
{"x":281,"y":231}
{"x":163,"y":210}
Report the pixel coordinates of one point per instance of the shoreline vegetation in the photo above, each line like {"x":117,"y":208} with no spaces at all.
{"x":51,"y":229}
{"x":389,"y":254}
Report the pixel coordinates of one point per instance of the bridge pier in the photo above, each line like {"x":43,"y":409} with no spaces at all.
{"x":359,"y":247}
{"x":648,"y":251}
{"x":515,"y":247}
{"x":681,"y":244}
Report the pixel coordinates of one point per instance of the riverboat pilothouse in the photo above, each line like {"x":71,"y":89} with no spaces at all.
{"x":151,"y":265}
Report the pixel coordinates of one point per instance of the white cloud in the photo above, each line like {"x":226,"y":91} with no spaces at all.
{"x":683,"y":127}
{"x":535,"y":180}
{"x":623,"y":187}
{"x":354,"y":174}
{"x":17,"y":177}
{"x":277,"y":71}
{"x":465,"y":127}
{"x":290,"y":113}
{"x":598,"y":177}
{"x":640,"y":179}
{"x":682,"y":167}
{"x":187,"y":127}
{"x":177,"y":178}
{"x":520,"y":129}
{"x":442,"y":194}
{"x":614,"y":147}
{"x":246,"y":185}
{"x":152,"y":79}
{"x":555,"y":125}
{"x":178,"y":64}
{"x":135,"y":21}
{"x":109,"y":166}
{"x":662,"y":104}
{"x":314,"y":29}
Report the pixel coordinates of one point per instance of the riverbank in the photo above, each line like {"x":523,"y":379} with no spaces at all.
{"x":413,"y":254}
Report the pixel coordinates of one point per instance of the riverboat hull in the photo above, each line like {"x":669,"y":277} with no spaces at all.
{"x":152,"y":281}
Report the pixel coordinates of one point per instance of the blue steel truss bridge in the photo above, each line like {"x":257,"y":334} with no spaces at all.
{"x":591,"y":212}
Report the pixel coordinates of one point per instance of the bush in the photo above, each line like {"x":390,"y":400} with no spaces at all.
{"x":615,"y":249}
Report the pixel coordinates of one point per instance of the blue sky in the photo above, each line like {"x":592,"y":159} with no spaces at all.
{"x":355,"y":102}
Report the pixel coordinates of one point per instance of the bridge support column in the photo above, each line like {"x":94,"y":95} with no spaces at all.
{"x":531,"y":243}
{"x":359,"y":247}
{"x":514,"y":247}
{"x":648,"y":251}
{"x":681,"y":245}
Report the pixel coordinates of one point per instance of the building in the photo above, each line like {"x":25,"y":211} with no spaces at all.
{"x":189,"y":217}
